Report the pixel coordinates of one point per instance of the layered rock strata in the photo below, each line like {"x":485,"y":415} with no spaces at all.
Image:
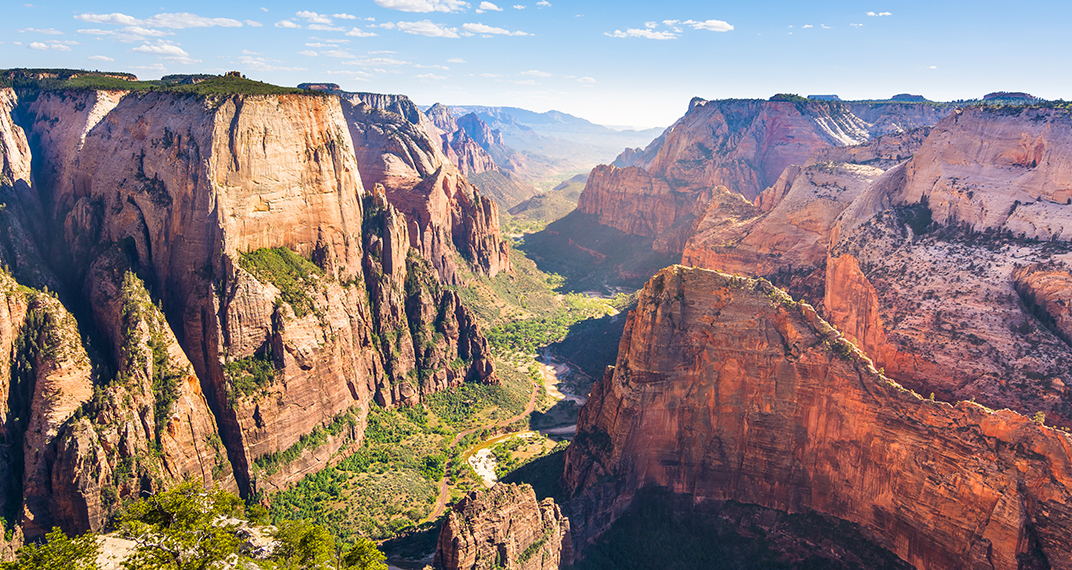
{"x":504,"y":527}
{"x":727,"y":389}
{"x":446,"y":214}
{"x":280,"y":298}
{"x":743,"y":145}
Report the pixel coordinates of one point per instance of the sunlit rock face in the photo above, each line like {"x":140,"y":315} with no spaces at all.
{"x":727,"y":389}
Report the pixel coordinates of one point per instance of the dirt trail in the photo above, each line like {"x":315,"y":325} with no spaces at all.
{"x":444,"y":488}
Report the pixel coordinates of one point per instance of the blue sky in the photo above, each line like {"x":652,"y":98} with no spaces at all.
{"x":616,"y":63}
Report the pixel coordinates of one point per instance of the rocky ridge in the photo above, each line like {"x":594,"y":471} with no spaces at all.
{"x":504,"y":527}
{"x":743,"y":145}
{"x":727,"y":389}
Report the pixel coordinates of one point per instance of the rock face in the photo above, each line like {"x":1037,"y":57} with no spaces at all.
{"x":787,"y":236}
{"x":504,"y":527}
{"x":727,"y":389}
{"x":743,"y":145}
{"x":242,"y":288}
{"x":446,"y":214}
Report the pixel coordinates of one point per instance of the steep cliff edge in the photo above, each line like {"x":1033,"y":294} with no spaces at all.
{"x":726,"y":389}
{"x":743,"y":145}
{"x":279,"y":299}
{"x":447,"y":215}
{"x":504,"y":527}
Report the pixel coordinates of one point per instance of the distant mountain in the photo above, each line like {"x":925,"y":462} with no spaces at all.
{"x":558,"y":141}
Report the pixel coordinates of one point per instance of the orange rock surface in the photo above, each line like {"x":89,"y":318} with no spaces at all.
{"x":727,"y":389}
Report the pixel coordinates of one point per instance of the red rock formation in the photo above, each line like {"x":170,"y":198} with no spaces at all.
{"x":447,"y":214}
{"x":744,"y":145}
{"x":726,"y":389}
{"x":504,"y":527}
{"x":180,"y":188}
{"x":1048,"y":290}
{"x":998,"y":169}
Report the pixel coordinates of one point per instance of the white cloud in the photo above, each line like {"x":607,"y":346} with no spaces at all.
{"x":286,"y":24}
{"x":429,"y":76}
{"x":709,"y":25}
{"x":339,"y":53}
{"x":386,"y":25}
{"x":933,"y":67}
{"x":178,"y":20}
{"x":650,"y":24}
{"x":880,"y":14}
{"x":489,"y":30}
{"x":423,"y":5}
{"x":313,"y":17}
{"x":162,"y":48}
{"x":490,"y":75}
{"x":308,"y":52}
{"x":485,"y":6}
{"x":857,"y":25}
{"x":535,"y":73}
{"x":824,"y":26}
{"x":645,"y":33}
{"x":154,"y":67}
{"x":377,"y":62}
{"x":325,"y":28}
{"x":248,"y":52}
{"x":100,"y":58}
{"x":382,"y":51}
{"x":359,"y":33}
{"x":807,"y":26}
{"x":263,"y":9}
{"x":253,"y":23}
{"x":45,"y":47}
{"x":344,"y":16}
{"x":455,"y":60}
{"x":262,"y":64}
{"x":128,"y":34}
{"x":428,"y":28}
{"x":670,"y":22}
{"x":586,"y":80}
{"x":519,"y":6}
{"x":441,"y":67}
{"x":543,"y":4}
{"x":46,"y":31}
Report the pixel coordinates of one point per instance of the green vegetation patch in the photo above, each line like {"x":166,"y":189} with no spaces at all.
{"x":210,"y":85}
{"x":380,"y":491}
{"x":291,"y":273}
{"x":473,"y":403}
{"x":249,"y":376}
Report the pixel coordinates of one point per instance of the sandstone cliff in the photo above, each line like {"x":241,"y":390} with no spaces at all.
{"x":727,"y":389}
{"x":280,"y":298}
{"x":927,"y":267}
{"x":447,"y":215}
{"x":743,"y":145}
{"x":504,"y":527}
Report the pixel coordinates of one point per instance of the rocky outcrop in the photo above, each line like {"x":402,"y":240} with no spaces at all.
{"x":998,"y":169}
{"x":247,"y":288}
{"x":727,"y":389}
{"x":743,"y":145}
{"x":1046,"y":290}
{"x":447,"y":214}
{"x":504,"y":527}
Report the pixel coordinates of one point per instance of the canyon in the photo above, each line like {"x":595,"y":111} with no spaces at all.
{"x":218,"y":287}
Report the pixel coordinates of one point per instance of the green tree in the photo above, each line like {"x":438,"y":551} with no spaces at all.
{"x":59,"y":553}
{"x":185,"y":528}
{"x":364,"y":555}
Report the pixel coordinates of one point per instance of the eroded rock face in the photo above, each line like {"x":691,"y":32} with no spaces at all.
{"x":447,"y":215}
{"x":743,"y":145}
{"x":998,"y":169}
{"x":725,"y":389}
{"x":221,"y":361}
{"x":504,"y":527}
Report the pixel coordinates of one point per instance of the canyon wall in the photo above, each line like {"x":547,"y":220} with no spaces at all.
{"x":727,"y":389}
{"x":743,"y":145}
{"x":242,"y":287}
